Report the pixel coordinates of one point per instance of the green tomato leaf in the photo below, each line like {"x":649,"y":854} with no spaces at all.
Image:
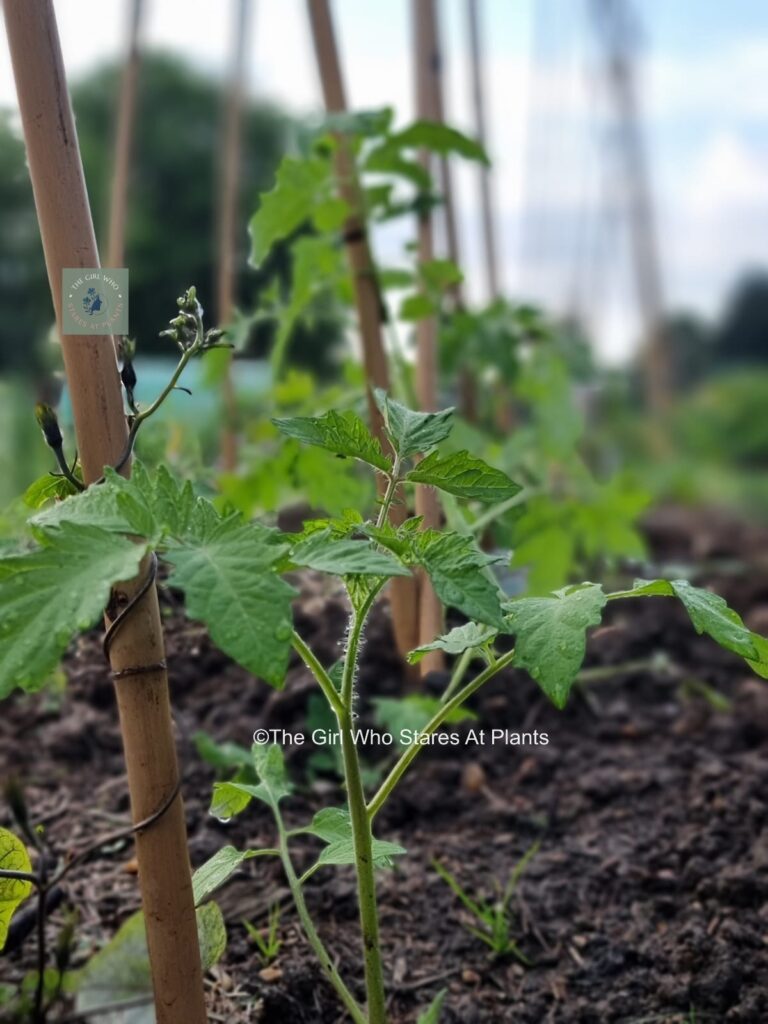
{"x":465,"y":476}
{"x":13,"y":892}
{"x":439,"y":138}
{"x":388,"y":159}
{"x":413,"y":432}
{"x":709,"y":614}
{"x":217,"y":870}
{"x":343,"y":434}
{"x":457,"y":567}
{"x":413,"y":712}
{"x":226,"y":573}
{"x":471,"y":636}
{"x":299,"y":185}
{"x":120,"y":972}
{"x":334,"y":827}
{"x":550,"y":635}
{"x":345,"y":557}
{"x":47,"y":488}
{"x":416,"y":307}
{"x":52,"y":593}
{"x":229,"y":799}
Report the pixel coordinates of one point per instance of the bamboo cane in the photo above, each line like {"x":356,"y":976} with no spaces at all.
{"x":137,"y":652}
{"x":126,"y":119}
{"x":426,"y":59}
{"x":229,"y":194}
{"x":403,"y":592}
{"x":484,"y":175}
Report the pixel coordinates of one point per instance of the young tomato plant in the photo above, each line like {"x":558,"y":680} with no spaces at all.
{"x":231,"y":574}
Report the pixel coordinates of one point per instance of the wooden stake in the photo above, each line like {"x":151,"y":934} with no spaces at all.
{"x":68,"y":241}
{"x":228,"y":206}
{"x":403,"y":595}
{"x":126,"y":119}
{"x":427,"y":58}
{"x":478,"y":98}
{"x":467,"y":382}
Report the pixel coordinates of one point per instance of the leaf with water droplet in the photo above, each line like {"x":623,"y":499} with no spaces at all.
{"x":550,"y":635}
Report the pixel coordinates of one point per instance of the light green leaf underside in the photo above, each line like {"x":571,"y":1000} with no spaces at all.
{"x":345,"y":557}
{"x":470,"y":636}
{"x":334,"y":827}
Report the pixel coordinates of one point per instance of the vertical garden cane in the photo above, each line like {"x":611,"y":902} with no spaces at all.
{"x":136,"y":652}
{"x":126,"y":120}
{"x":427,"y":504}
{"x":403,"y":592}
{"x":228,"y":204}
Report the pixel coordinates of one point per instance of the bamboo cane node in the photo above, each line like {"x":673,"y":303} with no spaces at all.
{"x":138,"y":670}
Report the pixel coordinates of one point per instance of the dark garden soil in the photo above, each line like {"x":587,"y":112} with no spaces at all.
{"x":646,"y":901}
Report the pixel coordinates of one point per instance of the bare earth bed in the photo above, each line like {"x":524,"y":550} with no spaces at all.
{"x":646,"y":902}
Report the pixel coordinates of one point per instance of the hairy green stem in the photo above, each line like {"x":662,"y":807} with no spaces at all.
{"x":459,"y":671}
{"x":310,"y":931}
{"x":151,"y":409}
{"x":324,"y":680}
{"x":361,"y":827}
{"x":404,"y":761}
{"x":389,"y":494}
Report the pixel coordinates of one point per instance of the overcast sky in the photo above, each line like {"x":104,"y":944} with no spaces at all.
{"x":704,"y":72}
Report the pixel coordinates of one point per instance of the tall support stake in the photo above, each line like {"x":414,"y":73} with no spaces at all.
{"x":481,"y":131}
{"x":228,"y":206}
{"x":126,"y":120}
{"x":137,"y":654}
{"x":614,"y":21}
{"x":428,"y":107}
{"x":467,"y":382}
{"x":403,"y":592}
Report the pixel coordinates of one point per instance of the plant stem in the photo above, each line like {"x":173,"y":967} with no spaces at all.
{"x":151,"y":409}
{"x":389,"y":494}
{"x":324,"y":680}
{"x":310,"y":931}
{"x":498,"y":510}
{"x":459,"y":672}
{"x":402,"y":764}
{"x":361,"y":826}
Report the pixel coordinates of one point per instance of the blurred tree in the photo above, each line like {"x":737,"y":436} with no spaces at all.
{"x":25,"y":306}
{"x":690,"y":346}
{"x":171,"y":220}
{"x":743,"y":333}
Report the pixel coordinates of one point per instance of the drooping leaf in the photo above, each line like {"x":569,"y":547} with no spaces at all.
{"x":456,"y":567}
{"x":334,"y":826}
{"x":120,"y":972}
{"x":471,"y":636}
{"x":341,"y":433}
{"x":52,"y":593}
{"x":13,"y":892}
{"x":227,"y":577}
{"x":550,"y":635}
{"x":217,"y":870}
{"x":709,"y":614}
{"x":298,"y":185}
{"x":388,"y":159}
{"x":413,"y":432}
{"x":465,"y":476}
{"x":439,"y":138}
{"x":269,"y":762}
{"x":229,"y":799}
{"x":345,"y":557}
